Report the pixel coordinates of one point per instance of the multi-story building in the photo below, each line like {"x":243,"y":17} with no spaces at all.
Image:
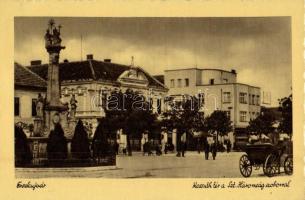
{"x":90,"y":81}
{"x":218,"y":90}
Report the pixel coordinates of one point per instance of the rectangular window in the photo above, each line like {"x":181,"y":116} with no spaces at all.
{"x":250,"y":99}
{"x":103,"y":97}
{"x":186,"y":82}
{"x":212,"y":81}
{"x":201,"y":99}
{"x":80,"y":91}
{"x":225,"y":80}
{"x":179,"y":83}
{"x":17,"y":106}
{"x":172,"y":83}
{"x":34,"y":102}
{"x":257,"y":100}
{"x":226,"y":97}
{"x":242,"y":97}
{"x":253,"y":99}
{"x":243,"y":116}
{"x":151,"y":103}
{"x":159,"y":102}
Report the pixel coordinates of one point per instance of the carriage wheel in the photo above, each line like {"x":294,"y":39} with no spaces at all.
{"x":288,"y":165}
{"x":245,"y":166}
{"x":271,"y":166}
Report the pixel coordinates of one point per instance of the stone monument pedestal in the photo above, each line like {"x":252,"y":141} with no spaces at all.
{"x":38,"y":126}
{"x":72,"y":124}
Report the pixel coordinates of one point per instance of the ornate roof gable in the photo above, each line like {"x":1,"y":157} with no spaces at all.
{"x":133,"y":76}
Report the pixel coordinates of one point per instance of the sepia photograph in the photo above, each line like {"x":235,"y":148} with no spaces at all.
{"x":153,"y":97}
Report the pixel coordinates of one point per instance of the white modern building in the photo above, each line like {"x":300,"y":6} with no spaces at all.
{"x":218,"y":90}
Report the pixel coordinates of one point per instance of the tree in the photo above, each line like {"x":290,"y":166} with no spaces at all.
{"x":57,"y":144}
{"x":80,"y":142}
{"x":219,"y":122}
{"x":184,"y":116}
{"x":101,"y":147}
{"x":131,"y":112}
{"x":23,"y":154}
{"x":286,"y":109}
{"x":262,"y":124}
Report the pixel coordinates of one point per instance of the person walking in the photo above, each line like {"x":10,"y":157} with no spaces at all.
{"x":206,"y":149}
{"x":198,"y":146}
{"x":228,"y":146}
{"x":158,"y":149}
{"x":143,"y":143}
{"x":150,"y":147}
{"x":183,"y":144}
{"x":163,"y":140}
{"x":214,"y":150}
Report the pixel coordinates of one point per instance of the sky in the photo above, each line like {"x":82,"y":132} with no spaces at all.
{"x":258,"y":48}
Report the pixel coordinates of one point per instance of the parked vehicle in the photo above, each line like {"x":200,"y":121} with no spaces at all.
{"x":268,"y":156}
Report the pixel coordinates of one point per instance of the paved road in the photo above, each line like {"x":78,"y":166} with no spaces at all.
{"x":165,"y":166}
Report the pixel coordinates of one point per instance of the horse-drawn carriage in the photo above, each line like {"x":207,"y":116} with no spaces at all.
{"x":267,"y":155}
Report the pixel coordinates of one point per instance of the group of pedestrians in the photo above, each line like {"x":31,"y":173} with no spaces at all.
{"x":149,"y":148}
{"x":210,"y":148}
{"x":213,"y":148}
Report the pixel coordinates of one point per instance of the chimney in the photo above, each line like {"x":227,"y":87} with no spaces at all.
{"x":35,"y":62}
{"x":233,"y":71}
{"x":89,"y":56}
{"x":107,"y":60}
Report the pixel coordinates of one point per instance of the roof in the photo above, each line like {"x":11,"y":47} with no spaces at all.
{"x":26,"y":78}
{"x":160,"y":78}
{"x":228,"y":84}
{"x":91,"y":70}
{"x":202,"y":69}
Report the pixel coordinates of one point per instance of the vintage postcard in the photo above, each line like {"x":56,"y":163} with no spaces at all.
{"x":139,"y":99}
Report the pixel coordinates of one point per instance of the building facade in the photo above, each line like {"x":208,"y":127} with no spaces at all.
{"x":218,"y":90}
{"x":92,"y":81}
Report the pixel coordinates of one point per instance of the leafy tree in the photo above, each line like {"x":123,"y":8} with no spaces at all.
{"x":184,"y":116}
{"x":286,"y":109}
{"x":218,"y":122}
{"x":57,"y":144}
{"x":131,"y":112}
{"x":262,"y":124}
{"x":80,"y":142}
{"x":23,"y":153}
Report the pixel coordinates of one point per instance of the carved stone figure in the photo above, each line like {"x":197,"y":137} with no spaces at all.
{"x":73,"y":106}
{"x":52,"y":36}
{"x":56,"y":37}
{"x":39,"y":106}
{"x":47,"y":38}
